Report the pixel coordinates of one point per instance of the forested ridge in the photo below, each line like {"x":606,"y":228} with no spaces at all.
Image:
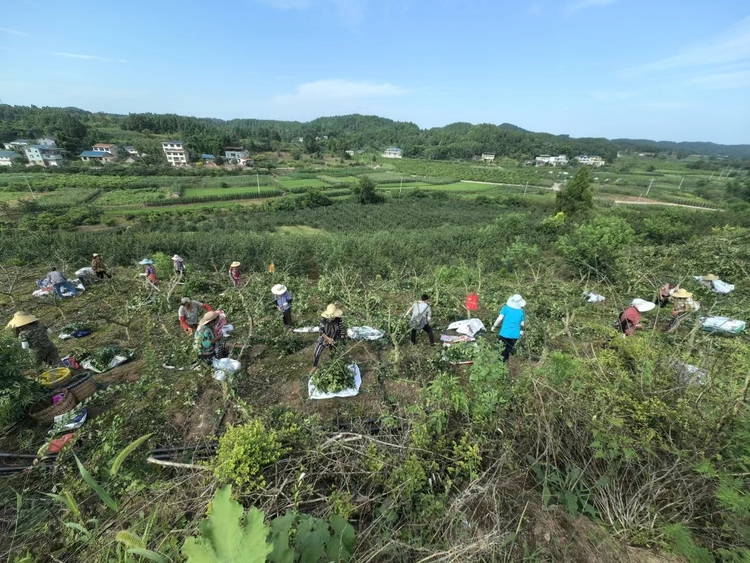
{"x":76,"y":129}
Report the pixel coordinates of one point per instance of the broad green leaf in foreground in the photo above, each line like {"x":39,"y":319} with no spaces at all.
{"x":224,"y":539}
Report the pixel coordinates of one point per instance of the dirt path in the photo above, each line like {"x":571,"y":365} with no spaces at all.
{"x":553,"y":188}
{"x":635,"y":201}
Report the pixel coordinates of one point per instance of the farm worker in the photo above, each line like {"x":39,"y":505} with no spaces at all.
{"x":178,"y":262}
{"x":630,"y":318}
{"x":150,"y":271}
{"x":58,"y":281}
{"x":513,"y":320}
{"x":421,"y":315}
{"x":234,"y":274}
{"x":682,"y":306}
{"x":188,"y":313}
{"x":99,"y":267}
{"x":662,"y":299}
{"x":206,"y":337}
{"x":332,"y":332}
{"x":34,"y":336}
{"x":272,"y":268}
{"x":708,"y":281}
{"x":283,"y":302}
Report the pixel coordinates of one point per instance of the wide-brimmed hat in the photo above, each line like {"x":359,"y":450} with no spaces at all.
{"x":710,"y":277}
{"x":21,"y":319}
{"x":331,"y":312}
{"x":176,"y":257}
{"x":278,"y":289}
{"x":208,"y":317}
{"x":682,"y":294}
{"x":145,"y":262}
{"x":234,"y":264}
{"x":516,"y":302}
{"x":642,"y":305}
{"x":186,"y":300}
{"x":94,"y":255}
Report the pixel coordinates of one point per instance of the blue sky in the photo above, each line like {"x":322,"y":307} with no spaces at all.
{"x":663,"y":70}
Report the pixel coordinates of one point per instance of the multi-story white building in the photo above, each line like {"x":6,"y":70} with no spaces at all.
{"x":47,"y":141}
{"x":235,"y":153}
{"x":595,"y":161}
{"x":176,"y":153}
{"x":105,"y":147}
{"x":543,"y":159}
{"x":393,"y":152}
{"x":7,"y":157}
{"x":42,"y":155}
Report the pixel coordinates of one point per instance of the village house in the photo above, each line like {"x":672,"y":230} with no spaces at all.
{"x":488,"y":157}
{"x":176,"y":153}
{"x":393,"y":152}
{"x":130,"y":150}
{"x":350,"y":153}
{"x":546,"y":159}
{"x":105,"y":147}
{"x":47,"y":141}
{"x":595,"y":161}
{"x":44,"y":155}
{"x":96,"y":156}
{"x":7,"y":157}
{"x":18,"y":144}
{"x":235,"y":153}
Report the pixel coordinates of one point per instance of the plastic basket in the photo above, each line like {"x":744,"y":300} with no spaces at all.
{"x":82,"y":388}
{"x":44,"y":412}
{"x":54,"y":378}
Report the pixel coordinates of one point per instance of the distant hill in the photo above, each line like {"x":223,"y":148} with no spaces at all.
{"x":77,"y":129}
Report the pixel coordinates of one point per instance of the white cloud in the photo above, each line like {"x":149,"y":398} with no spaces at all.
{"x":337,"y":89}
{"x":581,"y":4}
{"x":723,"y":80}
{"x":89,"y":57}
{"x":730,"y":47}
{"x":15,"y":32}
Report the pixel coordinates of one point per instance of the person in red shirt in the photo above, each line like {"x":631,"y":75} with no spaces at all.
{"x":188,"y":313}
{"x":631,"y":317}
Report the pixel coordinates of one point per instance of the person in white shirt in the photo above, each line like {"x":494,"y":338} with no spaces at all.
{"x":421,"y":315}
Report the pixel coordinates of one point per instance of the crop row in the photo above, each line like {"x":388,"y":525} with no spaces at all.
{"x":217,"y":197}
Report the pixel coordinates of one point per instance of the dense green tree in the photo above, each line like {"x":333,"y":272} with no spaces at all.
{"x":576,"y":198}
{"x":365,"y":191}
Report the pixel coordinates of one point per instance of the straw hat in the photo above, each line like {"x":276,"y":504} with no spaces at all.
{"x":710,"y":277}
{"x":278,"y":289}
{"x":176,"y":257}
{"x":21,"y":319}
{"x":642,"y":305}
{"x":145,"y":261}
{"x":682,"y":294}
{"x":331,"y":312}
{"x":234,"y":264}
{"x":94,"y":255}
{"x":208,"y":317}
{"x":516,"y":302}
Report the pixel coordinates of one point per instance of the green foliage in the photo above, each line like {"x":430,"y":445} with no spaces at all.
{"x":365,"y":191}
{"x":576,"y":198}
{"x":91,"y":482}
{"x":593,"y":247}
{"x":16,"y":392}
{"x":225,"y":538}
{"x":244,"y":451}
{"x":129,"y":449}
{"x":683,"y":544}
{"x":333,"y":377}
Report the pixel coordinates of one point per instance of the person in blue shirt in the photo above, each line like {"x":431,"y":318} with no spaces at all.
{"x":512,"y":318}
{"x":283,"y":302}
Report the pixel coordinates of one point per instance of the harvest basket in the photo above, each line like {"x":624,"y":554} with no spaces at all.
{"x":83,"y":387}
{"x":44,"y":412}
{"x":54,"y":378}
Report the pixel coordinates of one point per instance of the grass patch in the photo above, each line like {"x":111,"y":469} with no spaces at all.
{"x":299,"y":230}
